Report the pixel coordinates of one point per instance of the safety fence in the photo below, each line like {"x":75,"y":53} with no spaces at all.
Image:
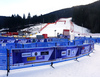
{"x":43,"y":51}
{"x":49,"y":42}
{"x":24,"y":57}
{"x":22,"y":53}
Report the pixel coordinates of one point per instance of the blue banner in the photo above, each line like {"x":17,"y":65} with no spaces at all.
{"x":30,"y":56}
{"x":1,"y":40}
{"x":22,"y":57}
{"x":66,"y":52}
{"x":92,"y":47}
{"x":10,"y":40}
{"x":3,"y":59}
{"x":84,"y":49}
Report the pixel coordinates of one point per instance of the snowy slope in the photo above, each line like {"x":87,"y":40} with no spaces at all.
{"x":86,"y":67}
{"x":80,"y":30}
{"x":34,"y":29}
{"x":59,"y":25}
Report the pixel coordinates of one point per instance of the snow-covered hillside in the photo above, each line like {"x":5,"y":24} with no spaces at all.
{"x":57,"y":27}
{"x":34,"y":29}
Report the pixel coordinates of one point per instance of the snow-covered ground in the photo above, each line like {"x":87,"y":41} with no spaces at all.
{"x":88,"y":66}
{"x":34,"y":29}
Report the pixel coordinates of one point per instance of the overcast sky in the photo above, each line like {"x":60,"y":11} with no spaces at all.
{"x":36,"y":7}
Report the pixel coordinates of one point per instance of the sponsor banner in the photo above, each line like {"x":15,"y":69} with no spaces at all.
{"x":3,"y":44}
{"x":72,"y":51}
{"x":28,"y":56}
{"x":25,"y":56}
{"x":63,"y":53}
{"x":36,"y":53}
{"x":40,"y":57}
{"x":1,"y":41}
{"x":85,"y":49}
{"x":31,"y":58}
{"x":22,"y":41}
{"x":66,"y":52}
{"x":10,"y":41}
{"x":3,"y":59}
{"x":19,"y":64}
{"x":92,"y":47}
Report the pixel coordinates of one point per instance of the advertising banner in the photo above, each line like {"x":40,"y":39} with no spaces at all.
{"x":29,"y":56}
{"x":1,"y":40}
{"x":66,"y":52}
{"x":22,"y":41}
{"x":92,"y":47}
{"x":3,"y":59}
{"x":10,"y":40}
{"x":84,"y":49}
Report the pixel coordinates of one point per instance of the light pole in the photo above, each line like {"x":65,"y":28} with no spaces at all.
{"x":55,"y":32}
{"x":82,"y":29}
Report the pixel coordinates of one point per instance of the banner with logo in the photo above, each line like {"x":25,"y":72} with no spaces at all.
{"x":1,"y":41}
{"x":66,"y":52}
{"x":92,"y":47}
{"x":10,"y":40}
{"x":30,"y":56}
{"x":21,"y":40}
{"x":3,"y":59}
{"x":84,"y":49}
{"x":22,"y":57}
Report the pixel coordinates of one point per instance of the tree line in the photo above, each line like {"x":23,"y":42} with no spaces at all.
{"x":16,"y":22}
